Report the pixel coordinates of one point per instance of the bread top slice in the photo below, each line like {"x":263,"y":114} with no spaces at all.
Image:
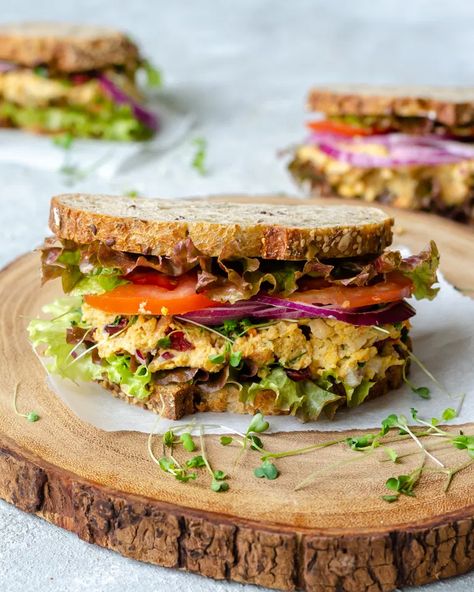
{"x":449,"y":105}
{"x":65,"y":47}
{"x":221,"y":229}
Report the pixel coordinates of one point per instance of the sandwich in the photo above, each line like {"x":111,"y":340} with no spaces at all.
{"x":70,"y":79}
{"x":407,"y":147}
{"x":192,"y":306}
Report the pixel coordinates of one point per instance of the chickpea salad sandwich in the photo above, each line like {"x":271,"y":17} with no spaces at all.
{"x":410,"y":147}
{"x":194,"y":306}
{"x":81,"y":80}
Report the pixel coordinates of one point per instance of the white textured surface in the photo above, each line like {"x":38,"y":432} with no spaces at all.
{"x":243,"y":69}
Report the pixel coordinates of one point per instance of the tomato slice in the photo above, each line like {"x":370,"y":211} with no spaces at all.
{"x":395,"y":287}
{"x":130,"y":299}
{"x":341,"y":129}
{"x":151,"y":277}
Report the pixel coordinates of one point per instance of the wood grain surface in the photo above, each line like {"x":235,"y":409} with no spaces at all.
{"x":336,"y":535}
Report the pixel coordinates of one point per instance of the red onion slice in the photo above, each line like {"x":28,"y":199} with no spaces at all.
{"x":390,"y":313}
{"x":270,"y":308}
{"x":147,"y":117}
{"x":403,"y":150}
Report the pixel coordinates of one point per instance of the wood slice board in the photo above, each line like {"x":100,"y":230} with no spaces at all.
{"x":335,"y":536}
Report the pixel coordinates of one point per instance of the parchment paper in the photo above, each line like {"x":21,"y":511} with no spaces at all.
{"x":104,"y":158}
{"x":443,"y":338}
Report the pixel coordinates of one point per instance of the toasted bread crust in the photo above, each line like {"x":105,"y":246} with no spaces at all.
{"x":154,"y":227}
{"x":449,"y":106}
{"x":177,"y":401}
{"x":66,"y":47}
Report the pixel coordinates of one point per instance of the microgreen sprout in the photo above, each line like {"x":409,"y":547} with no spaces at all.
{"x":267,"y":469}
{"x":196,"y":462}
{"x":188,"y":442}
{"x":235,"y":359}
{"x":217,"y":358}
{"x":421,"y":391}
{"x":316,"y":474}
{"x":31,"y":416}
{"x":364,"y":444}
{"x":218,"y":482}
{"x":168,"y":463}
{"x":199,"y":159}
{"x":96,"y":345}
{"x":401,"y":422}
{"x":154,"y":76}
{"x":64,"y":141}
{"x":79,"y":343}
{"x":449,"y":414}
{"x":205,"y":328}
{"x":424,"y":391}
{"x":168,"y":438}
{"x":391,"y":453}
{"x":164,"y":342}
{"x":403,"y":484}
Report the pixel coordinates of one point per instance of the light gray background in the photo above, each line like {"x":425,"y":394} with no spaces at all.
{"x":243,"y":67}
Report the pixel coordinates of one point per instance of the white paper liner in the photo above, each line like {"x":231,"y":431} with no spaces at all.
{"x":105,"y":158}
{"x":443,"y":338}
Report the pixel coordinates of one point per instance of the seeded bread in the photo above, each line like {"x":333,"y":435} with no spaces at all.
{"x":452,"y":106}
{"x":154,"y":227}
{"x":66,"y":47}
{"x":177,"y":401}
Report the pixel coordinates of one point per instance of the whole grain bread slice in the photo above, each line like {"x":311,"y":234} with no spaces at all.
{"x":221,"y":229}
{"x":452,"y":106}
{"x":180,"y":400}
{"x":66,"y":47}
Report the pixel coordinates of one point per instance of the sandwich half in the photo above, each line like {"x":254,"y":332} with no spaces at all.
{"x":196,"y":306}
{"x":60,"y":78}
{"x":408,"y":147}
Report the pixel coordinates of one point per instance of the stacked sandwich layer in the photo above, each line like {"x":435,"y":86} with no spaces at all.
{"x":395,"y":147}
{"x":230,"y":325}
{"x":69,"y":79}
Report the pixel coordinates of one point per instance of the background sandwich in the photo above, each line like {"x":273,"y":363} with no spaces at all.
{"x":214,"y":307}
{"x":409,"y":147}
{"x":57,"y":78}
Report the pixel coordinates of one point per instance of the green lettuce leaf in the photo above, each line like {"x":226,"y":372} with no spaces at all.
{"x":67,"y":260}
{"x":239,"y":279}
{"x":421,"y":269}
{"x":287,"y":391}
{"x":102,"y":280}
{"x":316,"y":400}
{"x":356,"y":396}
{"x":135,"y":384}
{"x":51,"y":335}
{"x":109,"y":120}
{"x":305,"y":399}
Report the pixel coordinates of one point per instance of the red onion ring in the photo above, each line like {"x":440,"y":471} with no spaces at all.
{"x":270,"y":308}
{"x":403,"y":150}
{"x":120,"y":97}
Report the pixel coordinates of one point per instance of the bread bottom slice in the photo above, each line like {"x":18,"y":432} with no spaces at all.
{"x":446,"y":190}
{"x":178,"y":400}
